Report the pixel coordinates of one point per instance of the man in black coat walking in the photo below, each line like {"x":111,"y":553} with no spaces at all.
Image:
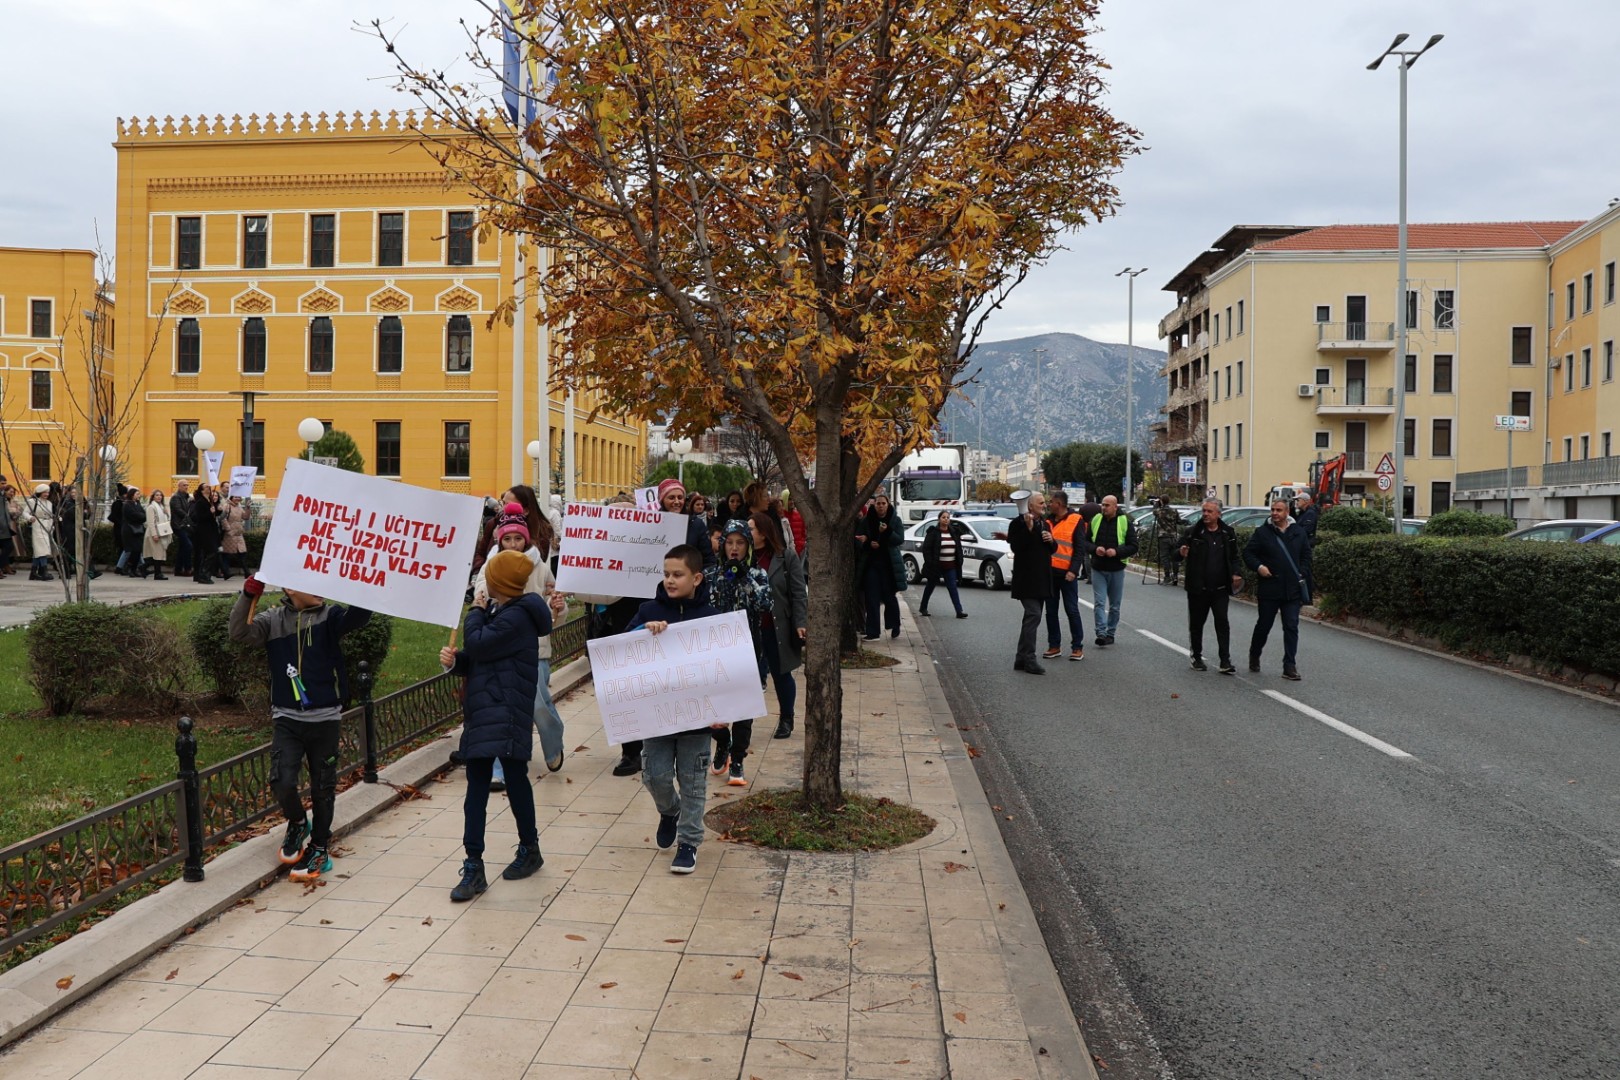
{"x":180,"y":517}
{"x":1280,"y":552}
{"x":1030,"y":537}
{"x":1211,"y":570}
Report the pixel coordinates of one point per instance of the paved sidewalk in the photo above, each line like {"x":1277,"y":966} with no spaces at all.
{"x":919,"y":963}
{"x":21,"y":599}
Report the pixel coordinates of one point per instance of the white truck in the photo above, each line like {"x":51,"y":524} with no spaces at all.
{"x":930,"y":480}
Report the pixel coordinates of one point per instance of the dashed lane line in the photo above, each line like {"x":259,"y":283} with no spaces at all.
{"x":1338,"y":725}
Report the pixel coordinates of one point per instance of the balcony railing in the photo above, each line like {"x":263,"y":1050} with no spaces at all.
{"x":1356,"y":332}
{"x":1490,"y":479}
{"x":1355,"y":396}
{"x":1591,"y":471}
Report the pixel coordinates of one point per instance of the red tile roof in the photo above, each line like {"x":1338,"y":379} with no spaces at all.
{"x":1452,"y":237}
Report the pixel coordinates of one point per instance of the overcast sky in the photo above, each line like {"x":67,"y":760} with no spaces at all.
{"x":1252,"y":111}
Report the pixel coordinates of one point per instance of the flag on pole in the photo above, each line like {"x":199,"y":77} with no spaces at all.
{"x":517,"y":67}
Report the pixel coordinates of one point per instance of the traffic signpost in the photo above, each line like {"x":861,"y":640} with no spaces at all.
{"x":1510,"y":424}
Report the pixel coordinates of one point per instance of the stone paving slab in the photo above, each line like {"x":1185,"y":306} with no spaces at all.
{"x":924,"y":962}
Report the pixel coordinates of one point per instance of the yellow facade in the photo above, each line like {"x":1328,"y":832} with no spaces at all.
{"x":48,"y":348}
{"x":324,"y":268}
{"x":1583,"y":402}
{"x":1303,"y":365}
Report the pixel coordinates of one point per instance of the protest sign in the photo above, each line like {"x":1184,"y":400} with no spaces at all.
{"x":615,"y":550}
{"x":690,"y":676}
{"x":377,"y":544}
{"x":647,"y":498}
{"x":242,"y":478}
{"x":214,"y":460}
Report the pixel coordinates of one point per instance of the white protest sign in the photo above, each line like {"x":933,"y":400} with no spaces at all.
{"x":647,"y":498}
{"x":242,"y":478}
{"x":213,"y":460}
{"x":377,"y":544}
{"x":690,"y":676}
{"x":616,"y":550}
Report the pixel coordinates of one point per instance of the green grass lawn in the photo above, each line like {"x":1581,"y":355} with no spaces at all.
{"x":57,"y":769}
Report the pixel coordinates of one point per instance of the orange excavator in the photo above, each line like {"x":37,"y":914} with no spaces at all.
{"x":1327,"y":480}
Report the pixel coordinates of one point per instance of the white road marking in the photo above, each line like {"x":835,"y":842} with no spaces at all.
{"x":1088,"y":604}
{"x":1338,"y":725}
{"x":1166,"y":642}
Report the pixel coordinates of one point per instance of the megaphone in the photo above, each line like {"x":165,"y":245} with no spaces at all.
{"x":1021,"y":499}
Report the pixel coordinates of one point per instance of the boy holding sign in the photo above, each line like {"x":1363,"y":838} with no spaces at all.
{"x":683,"y":757}
{"x":303,"y":642}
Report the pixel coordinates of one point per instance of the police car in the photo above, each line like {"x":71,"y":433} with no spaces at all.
{"x":984,"y":558}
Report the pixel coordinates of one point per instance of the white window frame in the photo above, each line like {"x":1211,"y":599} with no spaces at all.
{"x":202,"y":241}
{"x":309,"y":341}
{"x":1608,"y":360}
{"x":1569,"y":448}
{"x":1319,"y":373}
{"x":28,"y":326}
{"x":1606,"y":440}
{"x":1586,"y":446}
{"x":1317,"y":314}
{"x":472,"y":349}
{"x":1532,"y":361}
{"x":1586,"y":366}
{"x":241,"y":348}
{"x":1452,"y":439}
{"x":1433,"y":366}
{"x":1608,"y":283}
{"x":1569,"y":373}
{"x":1323,"y":439}
{"x":51,"y":374}
{"x":376,"y":346}
{"x":1569,"y":300}
{"x":241,"y":239}
{"x":1241,"y":322}
{"x":174,"y":335}
{"x":1588,"y":292}
{"x":1451,"y":313}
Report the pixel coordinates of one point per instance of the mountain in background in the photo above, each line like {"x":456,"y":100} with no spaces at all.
{"x":1081,"y":394}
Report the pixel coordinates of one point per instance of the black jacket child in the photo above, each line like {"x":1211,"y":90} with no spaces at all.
{"x":318,"y":658}
{"x":500,"y":659}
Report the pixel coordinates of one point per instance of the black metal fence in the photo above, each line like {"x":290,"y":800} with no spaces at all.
{"x":75,"y":868}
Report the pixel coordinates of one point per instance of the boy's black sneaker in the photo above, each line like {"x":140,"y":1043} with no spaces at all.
{"x":1254,"y":664}
{"x":316,"y":861}
{"x":685,"y":860}
{"x":718,"y":765}
{"x":292,"y":845}
{"x":527,"y":862}
{"x":628,"y":765}
{"x":1291,"y":674}
{"x":1227,"y":668}
{"x":1198,"y":664}
{"x":737,"y":779}
{"x":666,"y":831}
{"x":472,"y":881}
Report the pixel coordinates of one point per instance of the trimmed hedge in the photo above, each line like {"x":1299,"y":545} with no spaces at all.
{"x":77,"y":652}
{"x":1556,"y":603}
{"x":1353,"y":521}
{"x":1467,"y":523}
{"x":101,"y":546}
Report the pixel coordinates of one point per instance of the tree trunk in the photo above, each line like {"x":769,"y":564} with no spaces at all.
{"x":849,"y":636}
{"x":823,"y":674}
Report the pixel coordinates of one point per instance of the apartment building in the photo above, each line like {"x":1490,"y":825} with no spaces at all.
{"x":273,"y":269}
{"x":1184,"y":431}
{"x":50,"y":304}
{"x":1567,"y":466}
{"x":1302,"y":363}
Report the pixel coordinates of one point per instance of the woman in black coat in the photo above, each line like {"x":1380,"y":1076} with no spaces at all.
{"x":204,"y":535}
{"x":134,"y":532}
{"x":942,"y":549}
{"x":878,"y":536}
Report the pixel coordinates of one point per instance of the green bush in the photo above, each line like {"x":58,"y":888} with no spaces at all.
{"x":153,"y":663}
{"x":231,"y":669}
{"x":1557,"y":603}
{"x":1467,"y":523}
{"x":1353,"y":521}
{"x":74,"y":653}
{"x":238,"y":672}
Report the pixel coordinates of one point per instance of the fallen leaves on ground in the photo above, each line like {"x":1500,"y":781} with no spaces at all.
{"x":575,"y":937}
{"x":171,"y":976}
{"x":961,"y":1017}
{"x":794,"y":975}
{"x":64,"y":983}
{"x":608,"y":985}
{"x":395,"y":976}
{"x":954,"y":867}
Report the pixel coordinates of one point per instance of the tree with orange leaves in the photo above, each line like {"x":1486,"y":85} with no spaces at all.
{"x":799,"y":213}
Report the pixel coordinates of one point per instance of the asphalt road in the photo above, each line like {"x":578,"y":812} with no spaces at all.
{"x":1234,"y":888}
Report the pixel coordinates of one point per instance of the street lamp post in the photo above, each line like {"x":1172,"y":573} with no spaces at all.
{"x":109,"y":454}
{"x":1130,"y":362}
{"x":680,"y":448}
{"x":1407,"y":58}
{"x":310,"y":430}
{"x":203,"y":440}
{"x":536,"y":451}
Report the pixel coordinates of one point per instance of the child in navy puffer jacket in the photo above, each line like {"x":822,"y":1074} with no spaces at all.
{"x":499,"y":659}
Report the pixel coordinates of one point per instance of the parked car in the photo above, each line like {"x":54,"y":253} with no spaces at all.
{"x":1245,"y":517}
{"x":1006,"y":511}
{"x":1561,"y":529}
{"x":1413,"y":526}
{"x":985,"y":559}
{"x":1609,"y":534}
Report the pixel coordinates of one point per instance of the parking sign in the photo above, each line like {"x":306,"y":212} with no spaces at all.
{"x":1189,"y":470}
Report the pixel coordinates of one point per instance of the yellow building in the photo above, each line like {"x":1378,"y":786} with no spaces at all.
{"x":48,"y":347}
{"x":1581,"y":474}
{"x":1302,"y":362}
{"x":282,"y":268}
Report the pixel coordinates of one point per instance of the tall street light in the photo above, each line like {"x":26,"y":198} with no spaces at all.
{"x":1130,"y":363}
{"x":203,"y":440}
{"x":1407,"y":58}
{"x":680,"y":448}
{"x":310,"y":430}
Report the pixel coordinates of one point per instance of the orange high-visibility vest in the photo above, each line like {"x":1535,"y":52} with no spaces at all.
{"x":1063,"y":532}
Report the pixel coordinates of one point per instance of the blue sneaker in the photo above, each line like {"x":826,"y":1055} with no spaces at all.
{"x":685,"y":860}
{"x":315,"y":862}
{"x":666,"y":831}
{"x":292,"y":845}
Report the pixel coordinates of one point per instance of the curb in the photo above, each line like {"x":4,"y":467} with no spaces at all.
{"x":1055,"y":1038}
{"x":29,"y":992}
